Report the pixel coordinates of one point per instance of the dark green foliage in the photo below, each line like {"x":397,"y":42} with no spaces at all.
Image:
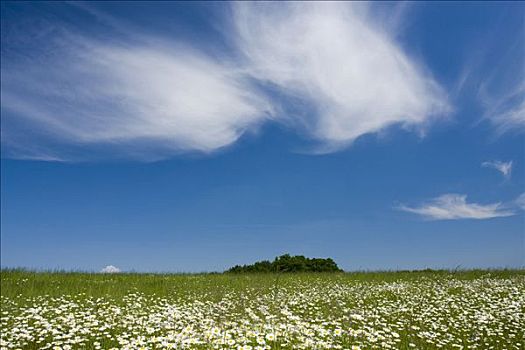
{"x":287,"y":263}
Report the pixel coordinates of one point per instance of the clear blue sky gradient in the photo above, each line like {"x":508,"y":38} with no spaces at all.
{"x":263,"y":196}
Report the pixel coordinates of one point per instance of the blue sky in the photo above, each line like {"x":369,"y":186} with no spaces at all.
{"x":196,"y":136}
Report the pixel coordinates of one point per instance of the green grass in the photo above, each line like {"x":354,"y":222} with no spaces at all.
{"x":24,"y":283}
{"x":476,"y":309}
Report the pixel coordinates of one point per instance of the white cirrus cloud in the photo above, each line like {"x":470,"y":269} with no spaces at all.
{"x":344,"y":66}
{"x":520,"y":201}
{"x":455,"y":207}
{"x":170,"y":99}
{"x":505,"y":168}
{"x":502,"y":87}
{"x":110,"y":269}
{"x":512,"y":119}
{"x":508,"y":112}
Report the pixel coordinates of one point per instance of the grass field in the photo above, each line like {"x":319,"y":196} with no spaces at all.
{"x":390,"y":310}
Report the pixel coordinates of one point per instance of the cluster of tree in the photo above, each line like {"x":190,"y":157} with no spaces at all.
{"x":287,"y":263}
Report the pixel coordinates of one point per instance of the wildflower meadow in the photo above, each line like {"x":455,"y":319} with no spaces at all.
{"x":391,"y":310}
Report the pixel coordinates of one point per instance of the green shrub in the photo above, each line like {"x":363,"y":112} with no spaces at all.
{"x":288,"y":263}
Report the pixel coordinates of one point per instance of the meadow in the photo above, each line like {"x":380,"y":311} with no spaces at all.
{"x":376,"y":310}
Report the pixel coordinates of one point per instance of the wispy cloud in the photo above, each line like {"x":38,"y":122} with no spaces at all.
{"x":507,"y":113}
{"x":496,"y":79}
{"x":151,"y":101}
{"x":339,"y":62}
{"x":520,"y":201}
{"x":455,"y":207}
{"x":502,"y":87}
{"x":170,"y":98}
{"x":504,"y":168}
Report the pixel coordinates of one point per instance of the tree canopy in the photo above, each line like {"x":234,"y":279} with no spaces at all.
{"x":288,"y":263}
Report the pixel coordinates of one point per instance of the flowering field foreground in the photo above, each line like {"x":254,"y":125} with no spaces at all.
{"x":424,"y":310}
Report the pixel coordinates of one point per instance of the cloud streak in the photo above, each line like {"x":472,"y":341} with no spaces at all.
{"x":456,"y":207}
{"x":502,"y":90}
{"x":508,"y":112}
{"x":338,"y":75}
{"x":520,"y":201}
{"x":505,"y":168}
